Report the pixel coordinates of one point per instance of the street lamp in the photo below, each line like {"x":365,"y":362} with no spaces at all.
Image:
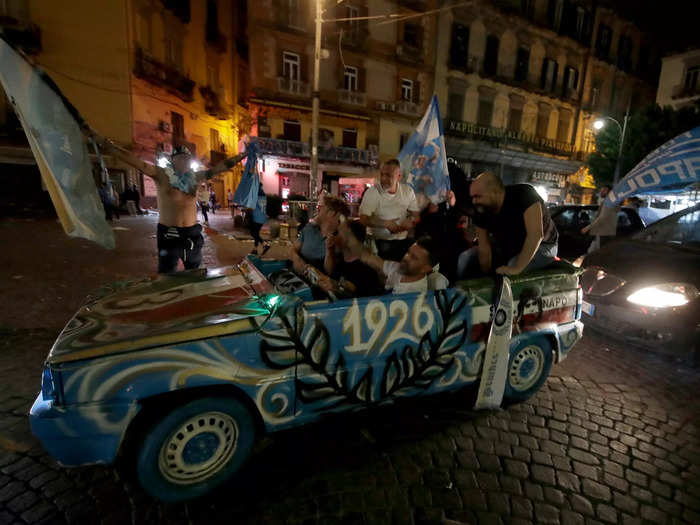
{"x":599,"y":123}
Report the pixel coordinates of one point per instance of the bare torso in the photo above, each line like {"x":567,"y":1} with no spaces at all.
{"x":175,"y":207}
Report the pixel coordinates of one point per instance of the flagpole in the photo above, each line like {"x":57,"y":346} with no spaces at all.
{"x":313,"y":183}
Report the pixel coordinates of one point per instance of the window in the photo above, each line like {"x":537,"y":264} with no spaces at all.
{"x":485,"y":111}
{"x":412,"y":35}
{"x":178,"y":124}
{"x":602,"y":45}
{"x":263,"y":127}
{"x":543,"y":120}
{"x":353,"y":26}
{"x":555,"y":10}
{"x":565,"y":219}
{"x":350,"y":78}
{"x":294,"y":14}
{"x":459,"y":47}
{"x":515,"y":118}
{"x":290,"y":66}
{"x":406,"y":89}
{"x":215,"y":140}
{"x":527,"y":8}
{"x":548,"y":81}
{"x":691,"y":80}
{"x":522,"y":63}
{"x":173,"y":51}
{"x":212,"y":22}
{"x":491,"y":56}
{"x":143,"y":26}
{"x":455,"y":106}
{"x":292,"y":130}
{"x":570,"y":82}
{"x":563,"y":126}
{"x":624,"y":53}
{"x":213,"y":74}
{"x":349,"y":138}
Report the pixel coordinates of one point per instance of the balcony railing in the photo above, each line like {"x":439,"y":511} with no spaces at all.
{"x":22,"y":34}
{"x":472,"y":64}
{"x":352,"y":97}
{"x":684,"y":92}
{"x":293,"y":148}
{"x":500,"y":137}
{"x":160,"y":74}
{"x":213,"y":104}
{"x":406,"y":107}
{"x":409,"y":54}
{"x":295,"y":87}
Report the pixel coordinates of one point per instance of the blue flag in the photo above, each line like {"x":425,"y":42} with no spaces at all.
{"x":424,"y":161}
{"x":669,"y":168}
{"x":58,"y":146}
{"x":247,"y":191}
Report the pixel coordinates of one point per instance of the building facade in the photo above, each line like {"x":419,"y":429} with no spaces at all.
{"x":679,"y":81}
{"x":520,"y":83}
{"x":375,"y":82}
{"x":148,"y":74}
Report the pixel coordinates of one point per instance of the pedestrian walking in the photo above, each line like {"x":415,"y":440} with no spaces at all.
{"x":258,"y":219}
{"x":203,"y":201}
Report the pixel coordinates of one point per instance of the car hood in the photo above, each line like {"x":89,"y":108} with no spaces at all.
{"x":162,"y":310}
{"x":645,"y":263}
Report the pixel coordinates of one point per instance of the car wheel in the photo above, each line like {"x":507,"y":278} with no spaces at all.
{"x":195,"y":448}
{"x":528,"y":368}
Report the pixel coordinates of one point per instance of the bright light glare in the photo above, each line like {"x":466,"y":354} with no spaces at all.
{"x":598,"y":124}
{"x":542,"y":192}
{"x":578,"y":261}
{"x":162,"y":162}
{"x":194,"y":165}
{"x":654,"y":296}
{"x":272,"y":301}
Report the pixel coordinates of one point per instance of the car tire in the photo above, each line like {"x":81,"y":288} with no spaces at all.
{"x":528,"y":368}
{"x":195,"y":448}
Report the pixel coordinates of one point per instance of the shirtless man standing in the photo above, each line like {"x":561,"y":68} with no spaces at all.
{"x":179,"y":233}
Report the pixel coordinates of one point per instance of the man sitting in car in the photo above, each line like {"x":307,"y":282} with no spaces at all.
{"x":414,"y":273}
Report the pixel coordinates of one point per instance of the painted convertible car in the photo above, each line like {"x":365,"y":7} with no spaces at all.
{"x":181,"y":373}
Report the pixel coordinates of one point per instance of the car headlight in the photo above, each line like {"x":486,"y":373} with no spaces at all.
{"x":664,"y":295}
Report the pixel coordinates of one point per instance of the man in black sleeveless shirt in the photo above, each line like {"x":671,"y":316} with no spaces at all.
{"x":513,"y":226}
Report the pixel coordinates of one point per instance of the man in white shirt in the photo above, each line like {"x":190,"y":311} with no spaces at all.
{"x":408,"y":275}
{"x":389,"y":210}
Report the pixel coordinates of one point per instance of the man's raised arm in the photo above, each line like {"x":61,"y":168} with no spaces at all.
{"x":533,"y":238}
{"x":222,"y":166}
{"x":156,"y":173}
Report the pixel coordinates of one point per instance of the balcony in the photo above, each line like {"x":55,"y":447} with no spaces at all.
{"x":294,"y":87}
{"x":407,"y":108}
{"x":213,"y":104}
{"x":502,"y":137}
{"x":409,"y":54}
{"x":356,"y":38}
{"x":22,"y":34}
{"x":354,"y":98}
{"x":382,"y":105}
{"x":292,"y":148}
{"x":471,"y":65}
{"x":160,"y":74}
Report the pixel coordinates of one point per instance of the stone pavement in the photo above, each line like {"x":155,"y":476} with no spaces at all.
{"x":612,"y":437}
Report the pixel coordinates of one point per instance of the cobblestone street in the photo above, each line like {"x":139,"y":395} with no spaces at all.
{"x":612,"y":437}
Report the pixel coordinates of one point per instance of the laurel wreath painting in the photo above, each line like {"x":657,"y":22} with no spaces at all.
{"x":294,"y":343}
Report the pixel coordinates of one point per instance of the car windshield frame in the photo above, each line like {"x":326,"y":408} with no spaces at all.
{"x":649,"y":234}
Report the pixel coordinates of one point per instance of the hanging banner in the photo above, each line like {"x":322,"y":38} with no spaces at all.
{"x":424,"y":161}
{"x":669,"y":168}
{"x":56,"y":140}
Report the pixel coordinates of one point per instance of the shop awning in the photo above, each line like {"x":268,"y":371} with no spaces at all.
{"x":480,"y":152}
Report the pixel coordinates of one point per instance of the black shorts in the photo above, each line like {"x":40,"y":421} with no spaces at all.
{"x":179,"y":243}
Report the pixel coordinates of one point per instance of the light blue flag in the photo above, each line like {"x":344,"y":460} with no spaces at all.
{"x":247,"y":191}
{"x":58,"y":146}
{"x":669,"y":168}
{"x":423,"y":158}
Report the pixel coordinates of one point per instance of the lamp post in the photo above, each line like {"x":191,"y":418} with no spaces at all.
{"x":600,"y":123}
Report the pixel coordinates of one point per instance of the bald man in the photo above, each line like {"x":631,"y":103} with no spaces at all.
{"x":514,"y":229}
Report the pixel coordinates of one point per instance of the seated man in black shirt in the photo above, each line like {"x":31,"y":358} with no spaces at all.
{"x":349,"y":276}
{"x":513,"y":227}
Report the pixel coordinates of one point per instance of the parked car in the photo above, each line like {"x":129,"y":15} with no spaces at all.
{"x":570,"y":218}
{"x":644,"y":289}
{"x":180,"y":373}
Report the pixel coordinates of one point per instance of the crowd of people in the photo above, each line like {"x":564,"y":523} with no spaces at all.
{"x":484,"y":228}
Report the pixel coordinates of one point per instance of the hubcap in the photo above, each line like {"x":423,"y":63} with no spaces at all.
{"x":199,"y":448}
{"x":526,"y":368}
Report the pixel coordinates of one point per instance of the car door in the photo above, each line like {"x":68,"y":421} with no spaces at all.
{"x":365,"y":351}
{"x":628,"y":222}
